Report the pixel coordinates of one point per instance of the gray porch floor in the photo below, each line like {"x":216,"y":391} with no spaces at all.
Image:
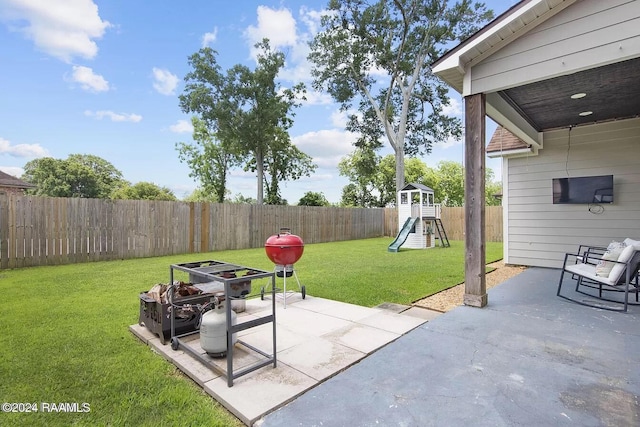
{"x":527,"y":359}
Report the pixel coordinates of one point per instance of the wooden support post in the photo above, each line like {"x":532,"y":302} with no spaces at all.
{"x":475,"y":292}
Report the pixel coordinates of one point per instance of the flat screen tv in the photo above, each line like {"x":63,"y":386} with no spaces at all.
{"x":583,"y":189}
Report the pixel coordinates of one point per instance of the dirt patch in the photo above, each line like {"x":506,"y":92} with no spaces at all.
{"x":452,"y":297}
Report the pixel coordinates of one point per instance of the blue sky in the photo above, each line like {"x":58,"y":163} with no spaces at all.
{"x":102,"y":77}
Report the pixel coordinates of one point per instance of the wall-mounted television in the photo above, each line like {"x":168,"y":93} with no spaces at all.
{"x":583,"y":189}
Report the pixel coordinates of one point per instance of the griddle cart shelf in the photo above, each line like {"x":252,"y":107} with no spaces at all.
{"x":233,"y":278}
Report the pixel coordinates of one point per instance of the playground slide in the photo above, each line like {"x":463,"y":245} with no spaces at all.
{"x":402,"y":235}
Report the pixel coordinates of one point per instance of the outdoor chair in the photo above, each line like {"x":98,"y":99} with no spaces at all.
{"x":605,"y":275}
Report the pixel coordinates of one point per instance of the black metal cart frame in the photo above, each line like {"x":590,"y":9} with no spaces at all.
{"x":211,"y":270}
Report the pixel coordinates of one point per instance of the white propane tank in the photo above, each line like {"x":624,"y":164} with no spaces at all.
{"x":213,"y":331}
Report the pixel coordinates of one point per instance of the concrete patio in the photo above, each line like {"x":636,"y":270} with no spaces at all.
{"x":316,"y":339}
{"x":527,"y":359}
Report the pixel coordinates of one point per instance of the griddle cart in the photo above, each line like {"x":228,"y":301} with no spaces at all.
{"x":233,"y":279}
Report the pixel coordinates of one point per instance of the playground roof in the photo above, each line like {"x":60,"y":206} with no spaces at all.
{"x":416,"y":186}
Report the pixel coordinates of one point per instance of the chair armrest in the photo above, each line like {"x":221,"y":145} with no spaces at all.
{"x":586,"y":257}
{"x":590,"y":254}
{"x":575,"y":257}
{"x":592,"y":258}
{"x":591,"y":249}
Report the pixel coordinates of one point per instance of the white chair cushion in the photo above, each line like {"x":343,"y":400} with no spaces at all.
{"x":618,"y":269}
{"x":588,"y":271}
{"x":614,"y":250}
{"x":631,"y":242}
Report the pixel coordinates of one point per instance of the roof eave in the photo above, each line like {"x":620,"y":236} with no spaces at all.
{"x":451,"y":67}
{"x":518,"y":152}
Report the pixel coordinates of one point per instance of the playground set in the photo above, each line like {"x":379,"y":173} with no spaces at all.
{"x":419,"y":219}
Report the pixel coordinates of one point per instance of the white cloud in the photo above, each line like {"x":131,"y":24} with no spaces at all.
{"x":339,"y":118}
{"x":281,"y":28}
{"x":115,"y":117}
{"x":311,"y":18}
{"x":22,"y":150}
{"x":61,"y":28}
{"x":317,"y":98}
{"x":450,"y":142}
{"x":454,"y":108}
{"x":164,"y":81}
{"x":182,"y":126}
{"x":89,"y":80}
{"x":276,"y":25}
{"x":209,"y":38}
{"x":326,"y":147}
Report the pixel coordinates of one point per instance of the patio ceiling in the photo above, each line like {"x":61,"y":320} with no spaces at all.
{"x":612,"y":92}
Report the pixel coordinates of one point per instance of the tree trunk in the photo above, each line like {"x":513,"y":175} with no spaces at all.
{"x":260,"y":173}
{"x":399,"y":167}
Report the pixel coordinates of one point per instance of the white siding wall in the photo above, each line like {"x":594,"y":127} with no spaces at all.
{"x":404,"y":212}
{"x":593,"y":32}
{"x":539,"y":232}
{"x":415,"y":240}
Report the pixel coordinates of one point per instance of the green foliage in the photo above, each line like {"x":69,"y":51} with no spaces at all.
{"x":372,"y":180}
{"x":209,"y":159}
{"x":79,"y":175}
{"x":361,"y":39}
{"x":250,"y":114}
{"x":199,"y":195}
{"x":287,"y":162}
{"x":492,"y":189}
{"x":311,"y":198}
{"x":361,"y":168}
{"x":416,"y":171}
{"x":449,"y":188}
{"x":448,"y":185}
{"x":143,"y":191}
{"x":239,"y":198}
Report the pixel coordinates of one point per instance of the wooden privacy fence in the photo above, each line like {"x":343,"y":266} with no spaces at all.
{"x":46,"y":231}
{"x":453,"y":220}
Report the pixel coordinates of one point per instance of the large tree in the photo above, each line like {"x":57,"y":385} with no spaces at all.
{"x":361,"y":168}
{"x":312,"y":198}
{"x":79,"y":175}
{"x":448,"y":184}
{"x":244,"y":108}
{"x":415,"y":171}
{"x":283,"y":162}
{"x":376,"y":53}
{"x":209,"y":159}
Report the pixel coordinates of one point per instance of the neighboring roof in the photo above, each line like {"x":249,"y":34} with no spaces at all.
{"x":503,"y":140}
{"x":7,"y":180}
{"x":416,"y":186}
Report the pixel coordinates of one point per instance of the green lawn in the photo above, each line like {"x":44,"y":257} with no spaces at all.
{"x":64,"y":336}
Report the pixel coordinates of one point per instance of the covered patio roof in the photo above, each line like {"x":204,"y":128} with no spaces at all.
{"x":541,"y":65}
{"x":545,"y":102}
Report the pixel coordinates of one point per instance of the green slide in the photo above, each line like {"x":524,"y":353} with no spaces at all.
{"x":402,"y":235}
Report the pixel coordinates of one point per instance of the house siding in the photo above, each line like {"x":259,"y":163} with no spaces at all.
{"x":539,"y":232}
{"x":598,"y":32}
